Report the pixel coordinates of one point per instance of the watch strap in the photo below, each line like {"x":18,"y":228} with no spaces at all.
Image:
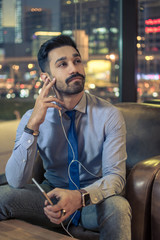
{"x":31,"y":131}
{"x":82,"y":191}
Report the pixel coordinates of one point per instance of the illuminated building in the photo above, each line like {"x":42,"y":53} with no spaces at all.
{"x":99,"y":19}
{"x":18,"y":25}
{"x":148,"y":44}
{"x":25,"y":18}
{"x":1,"y":28}
{"x":36,"y":19}
{"x":10,"y":21}
{"x":148,"y":49}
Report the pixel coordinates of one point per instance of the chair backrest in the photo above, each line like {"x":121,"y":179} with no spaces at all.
{"x":38,"y":169}
{"x":143,"y":131}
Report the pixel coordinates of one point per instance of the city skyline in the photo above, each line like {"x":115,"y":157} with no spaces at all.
{"x":9,"y":8}
{"x":97,"y":20}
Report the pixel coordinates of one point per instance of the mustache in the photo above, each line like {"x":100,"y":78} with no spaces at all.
{"x":73,"y":76}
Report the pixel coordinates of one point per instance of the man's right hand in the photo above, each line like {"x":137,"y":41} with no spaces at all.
{"x":43,"y":102}
{"x":69,"y":201}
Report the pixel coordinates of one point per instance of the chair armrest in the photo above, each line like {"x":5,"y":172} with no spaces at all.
{"x":3,"y":180}
{"x":138,"y":192}
{"x":155,"y":216}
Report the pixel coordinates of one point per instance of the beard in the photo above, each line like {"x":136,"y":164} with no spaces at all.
{"x":71,"y":88}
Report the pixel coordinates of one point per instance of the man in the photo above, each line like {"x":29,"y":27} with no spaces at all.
{"x":101,"y":152}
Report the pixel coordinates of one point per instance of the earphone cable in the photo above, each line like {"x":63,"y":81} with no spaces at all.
{"x":74,"y":160}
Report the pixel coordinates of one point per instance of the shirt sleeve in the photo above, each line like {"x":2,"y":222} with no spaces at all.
{"x":20,"y":165}
{"x":113,"y":161}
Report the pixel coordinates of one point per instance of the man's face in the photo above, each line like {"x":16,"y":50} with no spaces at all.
{"x":66,"y":66}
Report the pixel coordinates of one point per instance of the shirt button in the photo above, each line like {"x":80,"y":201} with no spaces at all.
{"x":29,"y":141}
{"x":24,"y":160}
{"x":95,"y":199}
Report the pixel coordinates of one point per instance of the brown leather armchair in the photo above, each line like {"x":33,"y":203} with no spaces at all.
{"x":143,"y":171}
{"x":143,"y":165}
{"x":155,"y":208}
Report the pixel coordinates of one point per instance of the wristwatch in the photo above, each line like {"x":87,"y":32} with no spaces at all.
{"x":85,"y":197}
{"x":30,"y":131}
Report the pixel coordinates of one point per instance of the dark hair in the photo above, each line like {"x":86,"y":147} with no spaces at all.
{"x":53,"y":43}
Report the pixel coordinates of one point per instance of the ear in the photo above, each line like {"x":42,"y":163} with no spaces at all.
{"x":45,"y":76}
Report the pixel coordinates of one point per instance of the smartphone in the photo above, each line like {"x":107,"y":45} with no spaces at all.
{"x":52,"y":92}
{"x":42,"y":191}
{"x":63,"y":212}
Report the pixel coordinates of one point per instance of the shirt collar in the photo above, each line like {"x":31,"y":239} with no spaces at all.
{"x":81,"y":106}
{"x":53,"y":115}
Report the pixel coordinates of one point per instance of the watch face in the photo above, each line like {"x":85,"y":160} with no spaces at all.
{"x":86,"y":199}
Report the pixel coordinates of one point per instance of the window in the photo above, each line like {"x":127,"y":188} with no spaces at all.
{"x":99,"y":23}
{"x":148,"y":50}
{"x":32,"y":22}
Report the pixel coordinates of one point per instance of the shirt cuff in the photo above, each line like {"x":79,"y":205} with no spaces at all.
{"x":26,"y":140}
{"x":97,"y":195}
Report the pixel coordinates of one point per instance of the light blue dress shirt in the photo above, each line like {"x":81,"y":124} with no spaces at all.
{"x":101,"y":145}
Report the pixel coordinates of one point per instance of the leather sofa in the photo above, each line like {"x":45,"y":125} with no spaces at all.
{"x":143,"y":171}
